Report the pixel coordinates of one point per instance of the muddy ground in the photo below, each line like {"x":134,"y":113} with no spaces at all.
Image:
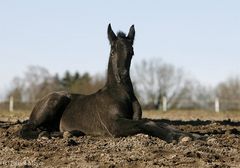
{"x":221,"y":149}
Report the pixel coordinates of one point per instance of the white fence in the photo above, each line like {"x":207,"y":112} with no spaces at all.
{"x":12,"y":105}
{"x":216,"y":105}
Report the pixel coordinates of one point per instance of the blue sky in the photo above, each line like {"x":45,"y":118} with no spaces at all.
{"x":202,"y":37}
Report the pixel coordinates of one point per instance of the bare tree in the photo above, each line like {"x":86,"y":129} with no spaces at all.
{"x":35,"y":83}
{"x":229,"y":93}
{"x":194,"y":95}
{"x":155,"y":79}
{"x":17,"y":89}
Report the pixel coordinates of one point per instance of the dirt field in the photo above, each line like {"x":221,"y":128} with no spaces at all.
{"x":221,"y":149}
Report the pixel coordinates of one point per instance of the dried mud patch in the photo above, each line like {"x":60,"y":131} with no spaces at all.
{"x":221,"y":149}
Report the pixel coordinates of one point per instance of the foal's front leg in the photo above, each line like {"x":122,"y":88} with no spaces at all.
{"x":137,"y":110}
{"x":126,"y":127}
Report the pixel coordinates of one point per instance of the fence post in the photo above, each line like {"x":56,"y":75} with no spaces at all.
{"x":217,"y":108}
{"x":11,"y":103}
{"x":164,"y":103}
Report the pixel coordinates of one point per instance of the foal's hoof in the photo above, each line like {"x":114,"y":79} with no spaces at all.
{"x":44,"y":135}
{"x":186,"y":139}
{"x":194,"y":136}
{"x":67,"y":135}
{"x":28,"y":132}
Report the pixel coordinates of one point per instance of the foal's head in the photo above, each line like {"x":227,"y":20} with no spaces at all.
{"x":121,"y":52}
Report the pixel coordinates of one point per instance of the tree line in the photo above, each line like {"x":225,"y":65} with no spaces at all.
{"x":153,"y":80}
{"x":38,"y":82}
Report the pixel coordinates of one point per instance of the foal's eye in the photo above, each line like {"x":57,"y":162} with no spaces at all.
{"x":112,"y":51}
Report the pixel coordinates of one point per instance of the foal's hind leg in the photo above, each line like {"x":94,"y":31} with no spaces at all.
{"x":46,"y":114}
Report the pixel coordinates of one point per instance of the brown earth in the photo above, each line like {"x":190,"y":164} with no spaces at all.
{"x":221,"y":149}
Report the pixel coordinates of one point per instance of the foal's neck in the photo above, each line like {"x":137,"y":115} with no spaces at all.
{"x":114,"y":78}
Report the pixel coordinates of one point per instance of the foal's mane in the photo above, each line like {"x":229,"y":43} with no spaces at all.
{"x":121,"y":34}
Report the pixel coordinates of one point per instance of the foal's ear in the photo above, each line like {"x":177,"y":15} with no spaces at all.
{"x":131,"y":33}
{"x":111,"y":35}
